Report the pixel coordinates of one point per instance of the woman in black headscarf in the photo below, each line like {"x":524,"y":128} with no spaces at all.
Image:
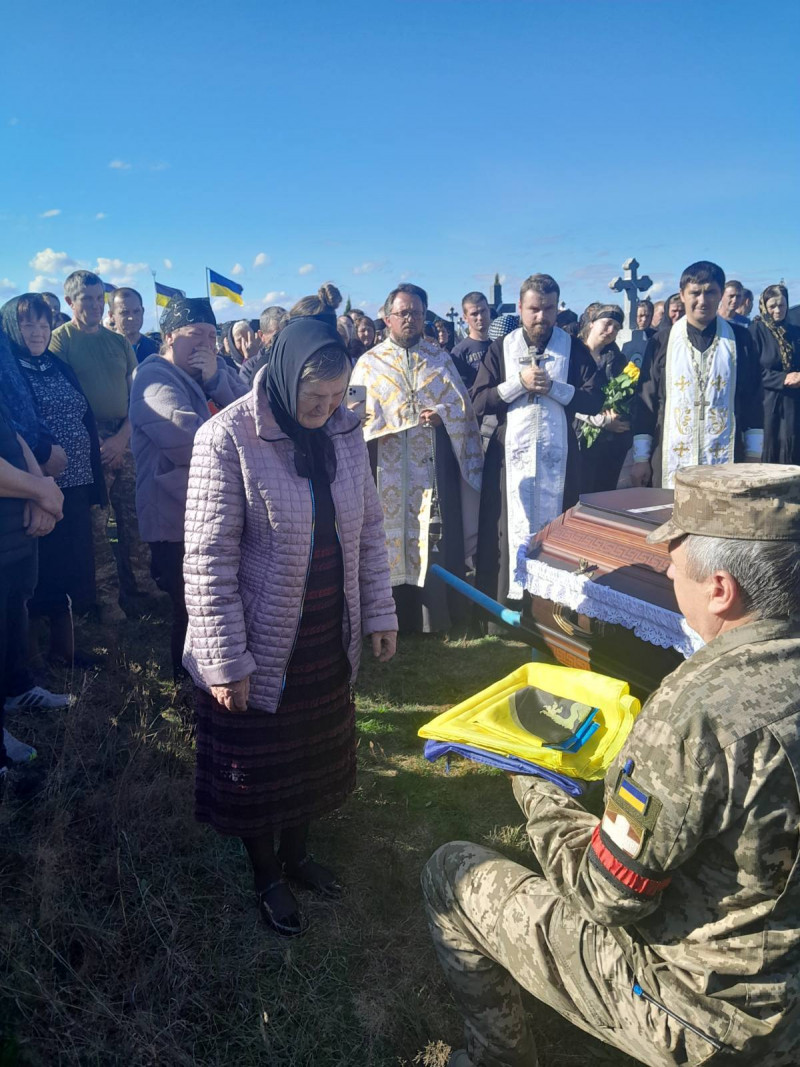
{"x":285,"y":569}
{"x":673,"y":310}
{"x":777,"y":343}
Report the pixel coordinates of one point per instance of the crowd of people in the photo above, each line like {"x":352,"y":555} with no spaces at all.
{"x":287,"y":484}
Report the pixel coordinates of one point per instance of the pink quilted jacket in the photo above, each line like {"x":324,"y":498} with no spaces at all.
{"x":248,"y":546}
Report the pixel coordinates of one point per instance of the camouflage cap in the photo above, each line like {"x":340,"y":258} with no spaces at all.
{"x":751,"y":501}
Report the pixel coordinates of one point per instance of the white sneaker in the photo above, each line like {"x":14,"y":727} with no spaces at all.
{"x":18,"y":751}
{"x":38,"y":698}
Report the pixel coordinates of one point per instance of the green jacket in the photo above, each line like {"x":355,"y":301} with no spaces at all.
{"x":694,"y":863}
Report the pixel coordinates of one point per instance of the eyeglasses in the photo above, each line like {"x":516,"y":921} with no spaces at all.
{"x":407,"y":315}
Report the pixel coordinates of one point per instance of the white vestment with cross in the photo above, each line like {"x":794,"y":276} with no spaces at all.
{"x":699,"y":419}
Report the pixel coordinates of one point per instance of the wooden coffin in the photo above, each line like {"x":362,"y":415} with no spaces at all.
{"x":603,"y":536}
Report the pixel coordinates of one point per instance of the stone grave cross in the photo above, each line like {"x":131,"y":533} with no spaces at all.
{"x":630,"y":286}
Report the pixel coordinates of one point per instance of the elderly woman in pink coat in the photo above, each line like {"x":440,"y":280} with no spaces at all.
{"x":285,"y":570}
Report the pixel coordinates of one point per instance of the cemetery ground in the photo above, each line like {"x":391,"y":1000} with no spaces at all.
{"x":130,"y":935}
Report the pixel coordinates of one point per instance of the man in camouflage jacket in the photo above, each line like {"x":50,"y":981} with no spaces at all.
{"x":669,"y":927}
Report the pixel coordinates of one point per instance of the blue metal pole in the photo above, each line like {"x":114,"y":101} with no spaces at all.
{"x":506,"y":615}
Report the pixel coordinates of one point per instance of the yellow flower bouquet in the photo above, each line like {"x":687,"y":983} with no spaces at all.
{"x":617,"y":397}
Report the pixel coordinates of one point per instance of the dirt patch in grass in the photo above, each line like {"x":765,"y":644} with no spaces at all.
{"x":130,"y":935}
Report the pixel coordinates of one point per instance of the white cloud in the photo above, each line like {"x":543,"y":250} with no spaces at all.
{"x":159,"y":166}
{"x":306,"y":268}
{"x":119,"y":164}
{"x":237,"y":269}
{"x":13,"y":122}
{"x":7,"y":288}
{"x":369,"y":267}
{"x":261,"y":260}
{"x":100,"y":215}
{"x":51,"y":214}
{"x":168,"y":264}
{"x":275,"y":296}
{"x":50,"y":262}
{"x":42,"y":283}
{"x":656,"y":287}
{"x":117,"y":270}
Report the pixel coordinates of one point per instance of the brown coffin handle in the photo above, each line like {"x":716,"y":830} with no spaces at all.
{"x":569,"y":621}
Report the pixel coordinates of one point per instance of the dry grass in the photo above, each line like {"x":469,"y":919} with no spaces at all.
{"x":130,"y":934}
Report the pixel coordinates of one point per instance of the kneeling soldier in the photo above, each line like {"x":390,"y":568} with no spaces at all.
{"x":670,"y":927}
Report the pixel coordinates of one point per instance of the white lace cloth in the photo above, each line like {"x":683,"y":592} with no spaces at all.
{"x":658,"y":626}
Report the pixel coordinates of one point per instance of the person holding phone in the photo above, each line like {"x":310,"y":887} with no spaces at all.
{"x":169,"y":403}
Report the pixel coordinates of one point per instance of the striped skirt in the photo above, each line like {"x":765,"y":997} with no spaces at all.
{"x":259,"y":772}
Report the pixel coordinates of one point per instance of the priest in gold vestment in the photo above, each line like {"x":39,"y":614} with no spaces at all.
{"x":426,"y":456}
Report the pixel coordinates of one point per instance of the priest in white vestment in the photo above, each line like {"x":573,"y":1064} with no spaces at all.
{"x":699,"y":399}
{"x":534,"y":380}
{"x":427,"y":459}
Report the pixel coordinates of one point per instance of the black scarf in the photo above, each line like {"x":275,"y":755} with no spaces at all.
{"x":314,"y":454}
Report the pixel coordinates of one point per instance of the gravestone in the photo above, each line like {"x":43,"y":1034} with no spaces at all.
{"x":632,"y":341}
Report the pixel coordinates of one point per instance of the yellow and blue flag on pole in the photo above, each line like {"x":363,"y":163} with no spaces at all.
{"x":219,"y":286}
{"x":165,"y":293}
{"x":108,"y":289}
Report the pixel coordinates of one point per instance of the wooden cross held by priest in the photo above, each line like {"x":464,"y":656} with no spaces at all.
{"x":630,"y":286}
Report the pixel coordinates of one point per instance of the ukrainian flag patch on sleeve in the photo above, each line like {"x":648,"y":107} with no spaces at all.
{"x":632,"y":794}
{"x":618,"y":841}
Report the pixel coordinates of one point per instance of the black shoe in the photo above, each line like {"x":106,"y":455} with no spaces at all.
{"x":312,"y":875}
{"x":280,"y":910}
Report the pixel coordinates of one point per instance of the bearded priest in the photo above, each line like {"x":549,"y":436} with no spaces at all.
{"x":427,"y":459}
{"x":535,"y":380}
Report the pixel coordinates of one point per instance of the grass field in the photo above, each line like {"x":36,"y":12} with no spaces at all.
{"x":130,"y":934}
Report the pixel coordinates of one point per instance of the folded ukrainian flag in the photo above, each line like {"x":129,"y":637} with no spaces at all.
{"x":577,"y":733}
{"x":219,"y":286}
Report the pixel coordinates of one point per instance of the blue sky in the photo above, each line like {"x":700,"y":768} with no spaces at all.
{"x":368,"y":142}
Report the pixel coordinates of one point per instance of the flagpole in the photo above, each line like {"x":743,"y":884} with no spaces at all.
{"x":208,"y":286}
{"x":155,"y":291}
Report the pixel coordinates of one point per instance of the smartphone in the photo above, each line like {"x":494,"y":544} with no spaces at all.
{"x":356,"y":394}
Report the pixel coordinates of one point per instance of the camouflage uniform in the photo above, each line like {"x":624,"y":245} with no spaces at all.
{"x":695,"y":897}
{"x":689,"y":884}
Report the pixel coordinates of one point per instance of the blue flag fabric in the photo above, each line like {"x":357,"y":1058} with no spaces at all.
{"x":436,"y":749}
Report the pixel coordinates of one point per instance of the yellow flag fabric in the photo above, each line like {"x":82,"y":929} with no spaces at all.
{"x":221,"y":286}
{"x":487,"y":721}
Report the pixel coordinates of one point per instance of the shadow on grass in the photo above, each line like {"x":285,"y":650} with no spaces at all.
{"x":130,"y":935}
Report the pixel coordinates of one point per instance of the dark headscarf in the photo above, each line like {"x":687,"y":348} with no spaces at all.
{"x":666,"y":321}
{"x":608,"y":311}
{"x":13,"y":387}
{"x":186,"y":311}
{"x":778,"y":329}
{"x":301,"y":338}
